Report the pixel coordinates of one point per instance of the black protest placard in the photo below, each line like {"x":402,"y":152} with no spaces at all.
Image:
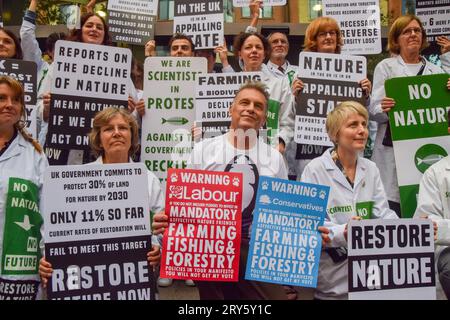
{"x":391,"y":259}
{"x":132,"y":22}
{"x":202,"y":20}
{"x":26,"y":73}
{"x":87,"y":78}
{"x":328,"y":80}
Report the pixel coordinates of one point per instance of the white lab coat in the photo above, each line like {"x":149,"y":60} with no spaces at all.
{"x":333,"y":277}
{"x":279,"y":94}
{"x":434,"y":200}
{"x":289,"y":70}
{"x":383,"y":156}
{"x":20,"y":160}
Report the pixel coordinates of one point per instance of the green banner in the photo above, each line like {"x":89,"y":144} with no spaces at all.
{"x":21,"y":236}
{"x":420,"y":130}
{"x":421,"y":106}
{"x":364,"y":209}
{"x":409,"y":193}
{"x":273,"y":110}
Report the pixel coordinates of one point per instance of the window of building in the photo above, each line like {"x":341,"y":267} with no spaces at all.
{"x":315,"y":9}
{"x":228,"y":10}
{"x":166,"y":9}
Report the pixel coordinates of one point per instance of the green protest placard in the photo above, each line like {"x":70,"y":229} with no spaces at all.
{"x":419,"y":126}
{"x":22,"y":234}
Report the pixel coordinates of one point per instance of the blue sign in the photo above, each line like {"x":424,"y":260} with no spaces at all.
{"x":285,"y":245}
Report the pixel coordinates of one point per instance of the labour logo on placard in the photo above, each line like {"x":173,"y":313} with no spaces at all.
{"x":176,"y":192}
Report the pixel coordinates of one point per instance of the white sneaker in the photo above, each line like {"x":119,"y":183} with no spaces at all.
{"x":164,"y":282}
{"x":189,"y":283}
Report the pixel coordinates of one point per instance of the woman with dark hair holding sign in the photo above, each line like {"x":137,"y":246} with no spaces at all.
{"x":22,"y":166}
{"x":406,"y":40}
{"x":94,"y":30}
{"x":356,"y":192}
{"x":114,"y":139}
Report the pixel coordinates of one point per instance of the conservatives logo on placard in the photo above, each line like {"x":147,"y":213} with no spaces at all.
{"x":427,"y":155}
{"x":265,"y":199}
{"x":322,"y":194}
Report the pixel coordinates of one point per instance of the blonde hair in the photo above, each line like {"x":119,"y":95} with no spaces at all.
{"x":318,"y":25}
{"x":17,"y":88}
{"x":339,"y":115}
{"x":101,"y":119}
{"x":397,"y":28}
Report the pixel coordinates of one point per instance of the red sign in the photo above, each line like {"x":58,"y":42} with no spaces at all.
{"x":203,"y":239}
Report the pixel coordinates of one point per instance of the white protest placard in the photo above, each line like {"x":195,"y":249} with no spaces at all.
{"x":328,"y":80}
{"x":391,"y":259}
{"x":132,"y":21}
{"x":87,"y":78}
{"x":169,"y":95}
{"x":245,"y":3}
{"x":359,"y":22}
{"x":202,"y":20}
{"x":26,"y":73}
{"x":435,"y":17}
{"x":97,"y":232}
{"x":215,"y":94}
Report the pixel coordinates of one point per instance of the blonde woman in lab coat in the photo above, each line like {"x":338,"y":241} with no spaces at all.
{"x":355,"y":189}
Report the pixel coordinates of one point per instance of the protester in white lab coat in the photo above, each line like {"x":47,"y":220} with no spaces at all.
{"x":434,"y":203}
{"x":354,"y":185}
{"x":406,"y":40}
{"x":239,"y":150}
{"x":114,"y":139}
{"x":22,"y":163}
{"x":323,"y":35}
